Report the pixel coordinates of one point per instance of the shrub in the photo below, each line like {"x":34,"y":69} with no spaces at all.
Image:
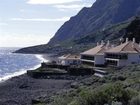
{"x":106,"y":95}
{"x":135,"y":100}
{"x":116,"y":103}
{"x":74,"y":103}
{"x":62,"y":100}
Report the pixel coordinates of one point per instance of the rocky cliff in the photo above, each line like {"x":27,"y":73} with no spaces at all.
{"x":101,"y":15}
{"x":105,"y":20}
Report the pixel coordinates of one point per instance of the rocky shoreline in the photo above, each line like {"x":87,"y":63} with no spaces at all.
{"x":23,"y":90}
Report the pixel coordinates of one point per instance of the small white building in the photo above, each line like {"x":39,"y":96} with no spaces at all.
{"x":125,"y":54}
{"x":69,"y":60}
{"x":95,"y":56}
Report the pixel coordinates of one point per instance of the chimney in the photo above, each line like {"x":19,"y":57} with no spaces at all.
{"x":97,"y":43}
{"x":126,"y":40}
{"x":102,"y":42}
{"x":134,"y":40}
{"x":121,"y":40}
{"x":108,"y":43}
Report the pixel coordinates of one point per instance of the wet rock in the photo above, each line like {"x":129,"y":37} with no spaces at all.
{"x":23,"y":86}
{"x":35,"y":101}
{"x":74,"y":85}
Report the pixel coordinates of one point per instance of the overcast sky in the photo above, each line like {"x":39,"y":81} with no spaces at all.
{"x":32,"y":22}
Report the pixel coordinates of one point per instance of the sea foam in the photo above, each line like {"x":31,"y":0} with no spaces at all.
{"x":23,"y":71}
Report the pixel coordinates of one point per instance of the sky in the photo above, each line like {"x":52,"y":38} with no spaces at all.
{"x":33,"y":22}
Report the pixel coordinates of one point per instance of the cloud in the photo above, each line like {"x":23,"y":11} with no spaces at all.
{"x":14,"y":40}
{"x":50,"y":1}
{"x":73,"y":7}
{"x":3,"y":24}
{"x":41,"y":19}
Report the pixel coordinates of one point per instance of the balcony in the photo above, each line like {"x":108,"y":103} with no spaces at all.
{"x":117,"y":56}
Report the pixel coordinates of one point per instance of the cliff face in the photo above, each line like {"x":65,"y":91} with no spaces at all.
{"x":102,"y":14}
{"x":128,"y":29}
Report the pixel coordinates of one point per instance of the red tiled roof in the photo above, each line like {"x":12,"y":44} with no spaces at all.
{"x":98,"y":50}
{"x":70,"y":56}
{"x":127,"y":47}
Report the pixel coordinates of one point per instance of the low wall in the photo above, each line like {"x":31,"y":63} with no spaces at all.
{"x":38,"y":74}
{"x":44,"y":65}
{"x":80,"y":71}
{"x":69,"y":70}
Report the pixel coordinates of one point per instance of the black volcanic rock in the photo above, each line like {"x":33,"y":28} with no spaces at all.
{"x":102,"y":14}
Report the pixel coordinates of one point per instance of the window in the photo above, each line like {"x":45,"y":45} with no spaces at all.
{"x":111,"y":62}
{"x":87,"y":57}
{"x":88,"y":63}
{"x":117,"y":56}
{"x":74,"y":62}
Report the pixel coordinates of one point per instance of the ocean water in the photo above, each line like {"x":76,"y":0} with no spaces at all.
{"x":12,"y":64}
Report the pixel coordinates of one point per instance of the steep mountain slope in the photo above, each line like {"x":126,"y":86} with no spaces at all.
{"x":105,"y":20}
{"x":133,"y":30}
{"x":102,"y":14}
{"x":127,"y":29}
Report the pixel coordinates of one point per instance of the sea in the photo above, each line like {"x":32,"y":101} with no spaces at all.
{"x":13,"y":64}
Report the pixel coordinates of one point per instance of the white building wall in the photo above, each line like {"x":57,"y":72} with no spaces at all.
{"x":133,"y":58}
{"x":99,"y":60}
{"x":70,"y":61}
{"x":122,"y":63}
